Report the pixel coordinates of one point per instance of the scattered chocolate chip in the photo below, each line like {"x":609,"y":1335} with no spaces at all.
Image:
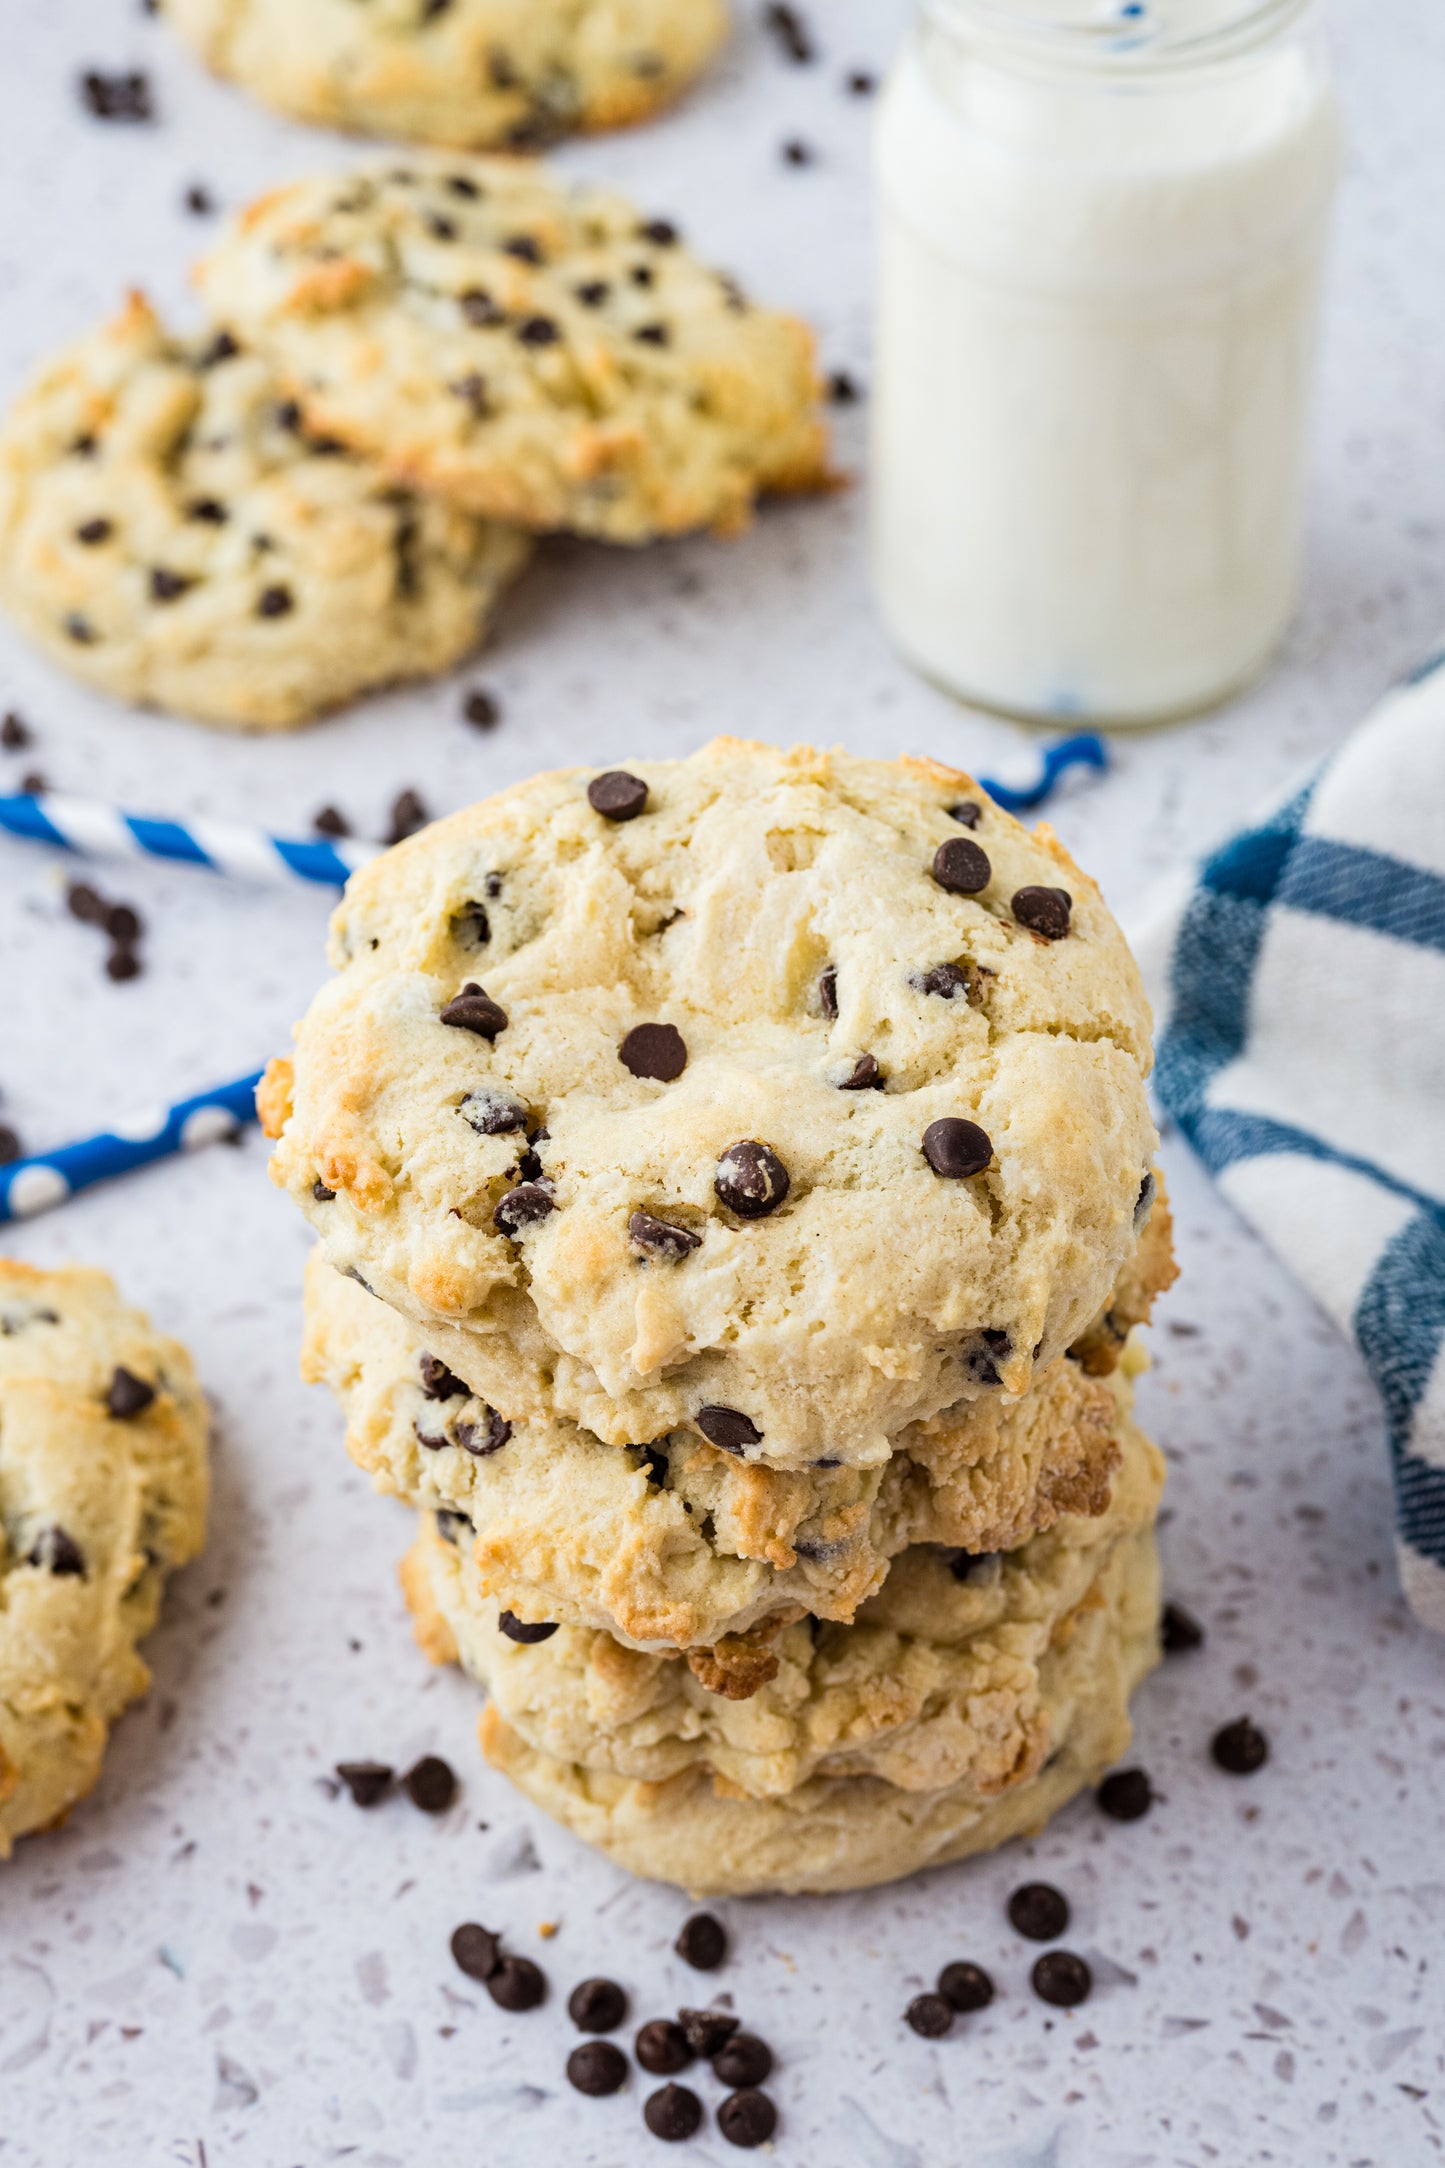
{"x":538,"y":331}
{"x":961,"y":867}
{"x":965,"y":1986}
{"x":1061,"y":1978}
{"x":199,"y":201}
{"x":222,"y":348}
{"x":660,"y":1238}
{"x":482,"y":1439}
{"x":1039,"y":1911}
{"x":660,"y":231}
{"x":430,"y":1784}
{"x":15,"y":733}
{"x":523,"y":1207}
{"x":747,"y":2118}
{"x":593,"y":293}
{"x":860,"y":83}
{"x":843,"y":389}
{"x":477,"y":1950}
{"x":328,"y":822}
{"x":654,"y":1051}
{"x":85,"y":903}
{"x":122,"y":922}
{"x":1126,"y":1796}
{"x":790,"y":30}
{"x":493,"y":885}
{"x":57,"y":1551}
{"x":672,"y":2112}
{"x":751,"y":1180}
{"x":368,"y":1782}
{"x":408,"y":814}
{"x":1240,"y":1748}
{"x":653,"y":334}
{"x":597,"y":2068}
{"x":956,"y":1149}
{"x":743,"y":2060}
{"x":702,"y":1942}
{"x":1180,"y":1632}
{"x":728,"y":1428}
{"x":524,"y":248}
{"x":168,"y":586}
{"x":1043,"y":911}
{"x":474,"y":1010}
{"x":122,"y":964}
{"x":517,"y":1984}
{"x":948,"y":981}
{"x":460,"y":184}
{"x":280,"y":602}
{"x":128,"y":1395}
{"x":930,"y":2015}
{"x":441,"y":229}
{"x":524,"y":1630}
{"x":493,"y":1114}
{"x":482,"y":709}
{"x":597,"y":2006}
{"x":34,"y":785}
{"x":321,"y":1193}
{"x":439,"y":1383}
{"x":828,"y":991}
{"x":616,"y":795}
{"x":80,"y":630}
{"x":866,"y":1076}
{"x":208,"y":510}
{"x":796,"y":153}
{"x":10,"y":1146}
{"x":662,"y":2047}
{"x":116,"y":97}
{"x":968,"y":813}
{"x":479,"y":308}
{"x":706,"y":2031}
{"x":92,"y":531}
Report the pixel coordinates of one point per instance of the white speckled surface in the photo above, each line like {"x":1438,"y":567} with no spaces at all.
{"x":216,"y":1962}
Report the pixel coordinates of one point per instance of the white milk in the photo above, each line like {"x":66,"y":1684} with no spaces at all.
{"x":1101,"y":236}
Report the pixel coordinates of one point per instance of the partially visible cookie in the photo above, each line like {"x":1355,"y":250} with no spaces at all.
{"x":102,"y":1491}
{"x":478,"y":74}
{"x":539,"y":354}
{"x":171,"y":533}
{"x":677,"y":1544}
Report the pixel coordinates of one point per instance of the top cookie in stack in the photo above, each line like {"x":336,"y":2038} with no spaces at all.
{"x":784,"y":1099}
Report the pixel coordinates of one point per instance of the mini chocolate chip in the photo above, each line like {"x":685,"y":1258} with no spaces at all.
{"x":493,"y":1114}
{"x":430,"y":1784}
{"x":842,"y":389}
{"x":968,"y":813}
{"x":743,"y":2060}
{"x":328,"y":822}
{"x":441,"y":229}
{"x":597,"y":2068}
{"x":122,"y":922}
{"x":1180,"y":1631}
{"x":1240,"y":1748}
{"x":524,"y":248}
{"x":654,"y":1051}
{"x":85,"y":903}
{"x":493,"y":885}
{"x":479,"y":308}
{"x":1144,"y":1203}
{"x":790,"y":30}
{"x":1126,"y":1796}
{"x":471,"y":925}
{"x":1043,"y":910}
{"x":128,"y":1395}
{"x":524,"y":1630}
{"x":597,"y":2006}
{"x":653,"y":334}
{"x":660,"y":231}
{"x":538,"y":331}
{"x":751,"y":1180}
{"x":288,"y":416}
{"x":199,"y":201}
{"x":728,"y":1428}
{"x":84,"y":446}
{"x":1039,"y":1911}
{"x":10,"y":1146}
{"x":523,"y":1207}
{"x":80,"y":630}
{"x":948,"y":981}
{"x":168,"y":586}
{"x":616,"y":795}
{"x":517,"y":1984}
{"x":662,"y":2047}
{"x":57,"y":1551}
{"x":15,"y":733}
{"x":956,"y":1149}
{"x":708,"y":2030}
{"x":660,"y":1238}
{"x":961,"y":867}
{"x":965,"y":1986}
{"x":439,"y":1383}
{"x":117,"y":97}
{"x":828,"y":991}
{"x":121,"y":964}
{"x":481,"y":1440}
{"x":860,"y":83}
{"x":321,"y":1193}
{"x":473,"y":1009}
{"x":367,"y":1781}
{"x":1061,"y":1978}
{"x":482,"y":709}
{"x":930,"y":2015}
{"x":866,"y":1076}
{"x":91,"y":531}
{"x":477,"y":1950}
{"x":408,"y":814}
{"x":593,"y":293}
{"x":702,"y":1942}
{"x":747,"y":2118}
{"x":222,"y":348}
{"x":208,"y":510}
{"x":796,"y":153}
{"x":34,"y":785}
{"x":462,"y":184}
{"x":275,"y":602}
{"x":672,"y":2112}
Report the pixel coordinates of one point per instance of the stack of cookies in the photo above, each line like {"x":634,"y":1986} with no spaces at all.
{"x":733,"y":1182}
{"x":409,"y":371}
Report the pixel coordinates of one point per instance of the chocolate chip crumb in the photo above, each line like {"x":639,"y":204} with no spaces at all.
{"x":743,"y":2060}
{"x":672,"y":2112}
{"x":367,"y":1781}
{"x":597,"y":2006}
{"x":1240,"y":1748}
{"x":597,"y":2068}
{"x":662,"y":2047}
{"x":1039,"y":1911}
{"x":747,"y":2118}
{"x":477,"y":1950}
{"x":702,"y":1942}
{"x":1061,"y":1978}
{"x":128,"y":1395}
{"x":517,"y":1984}
{"x":966,"y":1986}
{"x":930,"y":2015}
{"x":751,"y":1180}
{"x":956,"y":1149}
{"x":1126,"y":1796}
{"x":616,"y":795}
{"x":1180,"y":1631}
{"x":431,"y":1784}
{"x":525,"y":1630}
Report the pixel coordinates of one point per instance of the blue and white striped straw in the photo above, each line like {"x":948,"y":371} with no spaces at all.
{"x":28,"y":1186}
{"x":92,"y":829}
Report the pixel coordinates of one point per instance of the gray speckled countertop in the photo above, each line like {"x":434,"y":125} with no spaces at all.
{"x":216,"y":1962}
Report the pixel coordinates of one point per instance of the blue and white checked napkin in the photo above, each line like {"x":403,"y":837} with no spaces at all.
{"x":1298,"y":977}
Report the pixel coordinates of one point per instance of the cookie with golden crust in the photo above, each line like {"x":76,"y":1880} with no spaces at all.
{"x":540,"y":354}
{"x":676,"y":1544}
{"x":102,"y":1492}
{"x":477,"y":74}
{"x":731,"y":1116}
{"x":949,"y":1718}
{"x":171,"y":533}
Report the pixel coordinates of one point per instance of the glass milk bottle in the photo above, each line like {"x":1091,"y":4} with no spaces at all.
{"x":1101,"y":232}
